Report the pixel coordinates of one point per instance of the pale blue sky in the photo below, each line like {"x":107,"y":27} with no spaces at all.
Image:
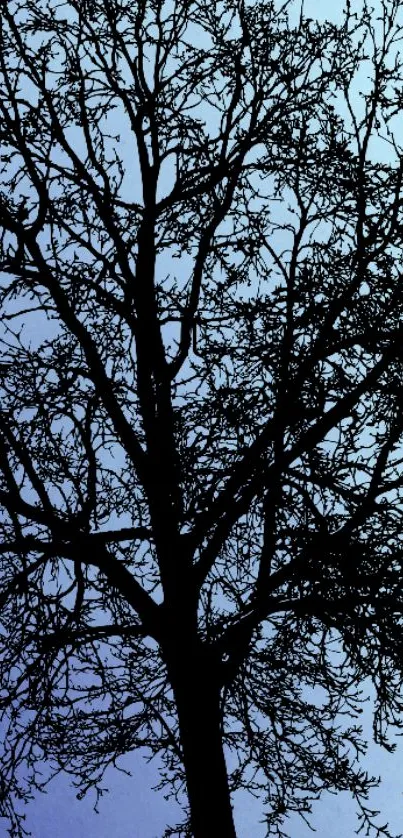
{"x":133,"y":810}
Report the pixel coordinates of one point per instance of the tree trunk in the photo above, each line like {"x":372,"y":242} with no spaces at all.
{"x":197,"y":695}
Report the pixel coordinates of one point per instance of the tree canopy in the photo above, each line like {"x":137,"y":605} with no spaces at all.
{"x":201,"y":398}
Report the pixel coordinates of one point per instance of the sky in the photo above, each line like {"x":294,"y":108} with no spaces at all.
{"x":133,"y":810}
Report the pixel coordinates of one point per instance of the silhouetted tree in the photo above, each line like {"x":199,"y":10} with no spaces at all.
{"x":201,"y":397}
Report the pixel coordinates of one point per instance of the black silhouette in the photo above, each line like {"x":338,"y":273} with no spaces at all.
{"x":201,"y":398}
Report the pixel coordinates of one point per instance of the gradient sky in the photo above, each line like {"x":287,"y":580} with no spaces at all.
{"x":133,"y":810}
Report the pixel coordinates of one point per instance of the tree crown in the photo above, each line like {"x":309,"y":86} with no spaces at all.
{"x":200,"y":431}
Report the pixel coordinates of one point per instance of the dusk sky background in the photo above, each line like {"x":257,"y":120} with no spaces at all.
{"x":133,"y":810}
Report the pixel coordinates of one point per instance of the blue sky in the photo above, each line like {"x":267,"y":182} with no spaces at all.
{"x":133,"y":810}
